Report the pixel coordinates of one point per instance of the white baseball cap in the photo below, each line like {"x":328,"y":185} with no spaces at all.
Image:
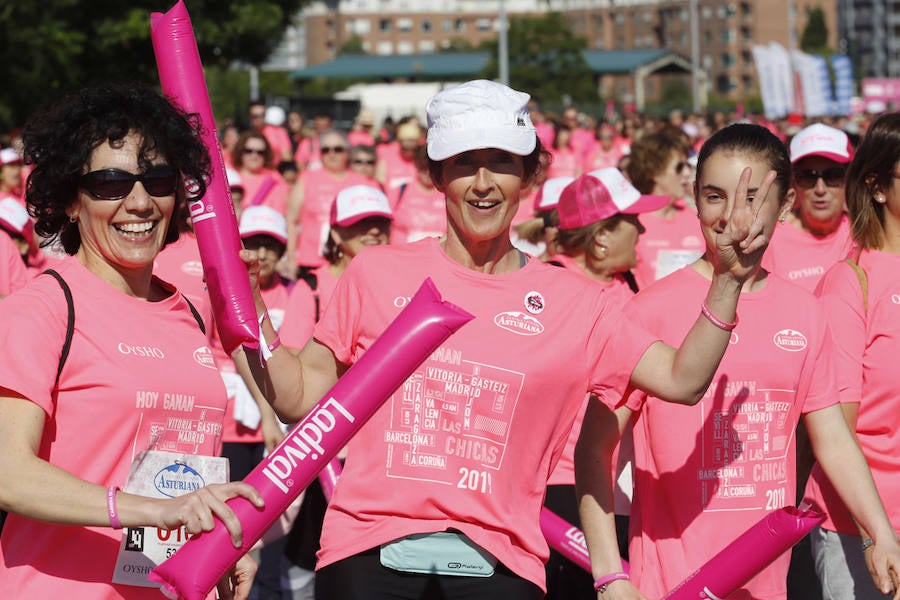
{"x":547,"y":196}
{"x":479,"y":114}
{"x":358,"y":202}
{"x":821,"y":140}
{"x":600,"y":195}
{"x":275,"y":116}
{"x":14,"y":218}
{"x":263,"y":220}
{"x":9,"y":156}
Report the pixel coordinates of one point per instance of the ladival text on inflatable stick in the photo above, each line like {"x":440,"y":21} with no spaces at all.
{"x":567,"y":539}
{"x":413,"y":336}
{"x":181,"y":77}
{"x":746,"y":556}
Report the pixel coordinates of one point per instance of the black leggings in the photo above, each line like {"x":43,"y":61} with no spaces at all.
{"x":362,"y":577}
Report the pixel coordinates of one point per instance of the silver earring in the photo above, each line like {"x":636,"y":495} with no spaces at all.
{"x":73,"y":218}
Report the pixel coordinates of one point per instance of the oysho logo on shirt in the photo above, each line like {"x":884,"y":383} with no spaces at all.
{"x":141,"y":351}
{"x":790,"y":340}
{"x":204,"y":357}
{"x":518,"y":323}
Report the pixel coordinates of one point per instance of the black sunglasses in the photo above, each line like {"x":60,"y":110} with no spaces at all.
{"x":254,"y":151}
{"x":363,"y":161}
{"x":336,"y":149}
{"x":833,"y":177}
{"x":679,"y":167}
{"x":115,"y":184}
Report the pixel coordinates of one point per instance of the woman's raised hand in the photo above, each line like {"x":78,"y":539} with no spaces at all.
{"x":744,"y":238}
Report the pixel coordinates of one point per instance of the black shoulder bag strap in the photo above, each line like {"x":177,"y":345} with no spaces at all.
{"x":196,"y":314}
{"x":70,"y":323}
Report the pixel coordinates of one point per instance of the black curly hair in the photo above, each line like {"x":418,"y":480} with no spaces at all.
{"x":60,"y":139}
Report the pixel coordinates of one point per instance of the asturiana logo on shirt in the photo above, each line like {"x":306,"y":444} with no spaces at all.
{"x":790,"y":340}
{"x":519,"y":323}
{"x":178,"y":479}
{"x":204,"y":357}
{"x":303,"y":442}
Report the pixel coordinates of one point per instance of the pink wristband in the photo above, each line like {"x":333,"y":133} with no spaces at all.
{"x":275,"y":343}
{"x":602,"y":583}
{"x":723,"y":325}
{"x":111,"y":507}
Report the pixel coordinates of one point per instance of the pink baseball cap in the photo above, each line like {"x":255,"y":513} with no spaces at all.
{"x":263,"y":220}
{"x":600,"y":195}
{"x":358,"y":202}
{"x":8,"y":156}
{"x":547,"y":196}
{"x":15,"y":219}
{"x":821,"y":140}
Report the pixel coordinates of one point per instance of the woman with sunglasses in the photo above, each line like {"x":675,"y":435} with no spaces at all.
{"x":309,"y":204}
{"x":263,"y":185}
{"x":861,"y":304}
{"x":816,"y":233}
{"x":109,"y":170}
{"x":456,"y":463}
{"x":658,"y":165}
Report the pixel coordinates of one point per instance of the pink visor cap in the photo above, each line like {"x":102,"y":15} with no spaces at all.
{"x":14,"y":218}
{"x":479,"y":114}
{"x":358,"y":202}
{"x":263,"y":220}
{"x":821,"y":140}
{"x":600,"y":195}
{"x":547,"y":196}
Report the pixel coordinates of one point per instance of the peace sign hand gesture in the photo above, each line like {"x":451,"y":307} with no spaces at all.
{"x":741,"y":236}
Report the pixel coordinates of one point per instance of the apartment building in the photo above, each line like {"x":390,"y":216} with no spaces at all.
{"x":727,"y":29}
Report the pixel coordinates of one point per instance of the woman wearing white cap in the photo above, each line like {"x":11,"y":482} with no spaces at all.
{"x":460,"y":472}
{"x":707,"y":473}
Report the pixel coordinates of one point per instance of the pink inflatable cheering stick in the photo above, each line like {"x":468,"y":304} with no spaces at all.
{"x":565,"y":538}
{"x":416,"y":332}
{"x":746,"y":556}
{"x":181,"y":76}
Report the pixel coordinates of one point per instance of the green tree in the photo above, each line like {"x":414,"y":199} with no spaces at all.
{"x":545,"y":58}
{"x":814,"y":39}
{"x":354,"y":45}
{"x":56,"y":46}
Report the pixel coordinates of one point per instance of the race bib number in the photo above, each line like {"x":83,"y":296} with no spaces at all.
{"x":158,"y":474}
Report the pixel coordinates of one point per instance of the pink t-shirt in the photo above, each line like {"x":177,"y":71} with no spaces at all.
{"x":704,"y":474}
{"x":139,"y":376}
{"x":418,"y":213}
{"x":308,"y":155}
{"x":279,"y":141}
{"x":265,"y":188}
{"x":803,"y":258}
{"x":617,"y":293}
{"x":319,"y":190}
{"x":469,"y":440}
{"x":13,"y":273}
{"x":360,"y":137}
{"x":866,"y":344}
{"x":565,"y":162}
{"x":304,"y":304}
{"x":598,"y":158}
{"x":179,"y":263}
{"x":397,"y":169}
{"x":667,"y":245}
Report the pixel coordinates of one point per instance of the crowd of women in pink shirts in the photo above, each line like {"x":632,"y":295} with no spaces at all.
{"x":309,"y":197}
